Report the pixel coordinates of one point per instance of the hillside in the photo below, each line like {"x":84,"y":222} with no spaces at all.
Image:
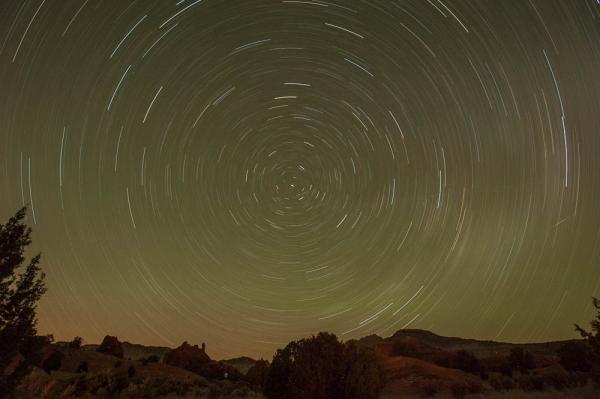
{"x":422,"y":363}
{"x":86,"y":372}
{"x":414,"y":363}
{"x":479,"y":348}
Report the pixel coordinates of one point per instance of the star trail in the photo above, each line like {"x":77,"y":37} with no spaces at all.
{"x":244,"y":173}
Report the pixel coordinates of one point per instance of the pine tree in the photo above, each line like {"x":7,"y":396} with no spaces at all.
{"x":593,"y":337}
{"x":19,"y":294}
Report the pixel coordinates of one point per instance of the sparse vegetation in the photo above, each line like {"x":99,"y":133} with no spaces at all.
{"x":149,"y":359}
{"x":532,"y":383}
{"x":320,"y":367}
{"x":466,"y":361}
{"x":428,"y":389}
{"x":461,"y":389}
{"x":402,"y":348}
{"x":82,"y":367}
{"x":76,"y":343}
{"x":521,"y":360}
{"x":52,"y":362}
{"x":501,"y":383}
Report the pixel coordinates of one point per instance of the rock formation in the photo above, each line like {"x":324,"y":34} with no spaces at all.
{"x":111,"y":346}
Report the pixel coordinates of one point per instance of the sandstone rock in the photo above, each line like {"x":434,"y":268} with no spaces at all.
{"x":111,"y":346}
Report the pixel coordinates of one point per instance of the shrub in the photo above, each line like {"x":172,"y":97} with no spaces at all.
{"x":501,"y":383}
{"x":321,"y":367}
{"x":575,"y":356}
{"x":593,"y":338}
{"x":459,"y":389}
{"x":117,"y":382}
{"x":82,"y":368}
{"x":52,"y":362}
{"x":505,"y":368}
{"x":520,"y":359}
{"x":406,"y":349}
{"x":429,"y":389}
{"x":76,"y":343}
{"x":558,"y":380}
{"x":532,"y":383}
{"x":214,"y":370}
{"x":363,"y":378}
{"x":149,"y":359}
{"x":80,"y":386}
{"x":578,"y":379}
{"x":443,"y":359}
{"x":258,"y":373}
{"x":474,"y":387}
{"x":466,"y":361}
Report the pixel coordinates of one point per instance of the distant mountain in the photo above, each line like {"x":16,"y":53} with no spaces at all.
{"x":242,"y":364}
{"x":480,"y":348}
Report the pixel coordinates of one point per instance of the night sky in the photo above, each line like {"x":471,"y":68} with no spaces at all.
{"x":244,"y":173}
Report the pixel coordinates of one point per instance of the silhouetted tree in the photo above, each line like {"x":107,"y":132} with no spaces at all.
{"x":520,"y":359}
{"x":76,"y":343}
{"x":363,"y":377}
{"x":575,"y":356}
{"x":466,"y":361}
{"x":308,"y":369}
{"x":321,"y":367}
{"x":257,"y":374}
{"x":593,"y":337}
{"x":19,"y":294}
{"x":280,"y":372}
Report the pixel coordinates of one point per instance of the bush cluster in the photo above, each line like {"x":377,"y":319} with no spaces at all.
{"x":321,"y":367}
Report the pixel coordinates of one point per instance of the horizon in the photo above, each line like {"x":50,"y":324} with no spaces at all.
{"x":126,"y":341}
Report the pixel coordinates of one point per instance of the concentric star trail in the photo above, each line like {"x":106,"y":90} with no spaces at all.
{"x":244,"y":173}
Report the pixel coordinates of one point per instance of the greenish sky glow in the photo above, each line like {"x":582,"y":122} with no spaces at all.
{"x":244,"y":173}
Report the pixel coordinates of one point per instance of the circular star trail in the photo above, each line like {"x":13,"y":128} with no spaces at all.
{"x":244,"y":173}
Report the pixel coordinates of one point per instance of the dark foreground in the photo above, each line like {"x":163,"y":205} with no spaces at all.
{"x":413,"y":364}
